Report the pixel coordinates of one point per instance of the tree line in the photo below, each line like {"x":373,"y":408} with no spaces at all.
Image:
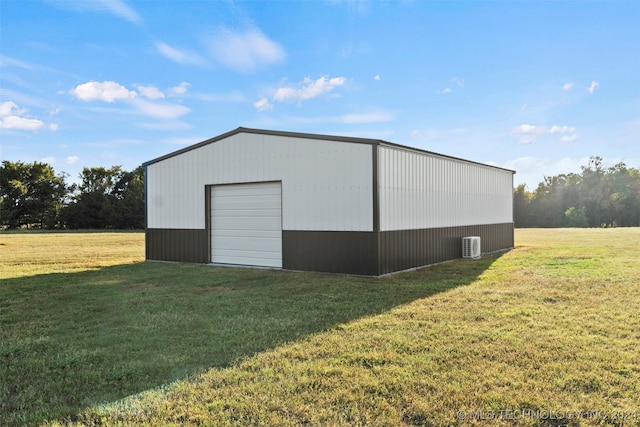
{"x":596,"y":197}
{"x":32,"y":195}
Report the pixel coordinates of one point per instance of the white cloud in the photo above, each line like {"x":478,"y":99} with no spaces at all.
{"x":455,"y":80}
{"x":569,"y":138}
{"x":179,"y":90}
{"x":532,"y":170}
{"x":246,"y":50}
{"x":70,"y":160}
{"x":49,"y":160}
{"x":529,"y":133}
{"x":149,"y":104}
{"x":107,"y":91}
{"x":150,"y":92}
{"x":263,"y":105}
{"x":116,"y":7}
{"x":526,"y":164}
{"x":179,"y":56}
{"x":120,"y":8}
{"x":529,"y":129}
{"x":593,"y":86}
{"x":11,"y":117}
{"x":561,"y":129}
{"x":567,"y":86}
{"x":527,"y":139}
{"x":6,"y":61}
{"x":53,"y":126}
{"x":458,"y":81}
{"x":6,"y":108}
{"x":160,"y":110}
{"x":377,"y":77}
{"x":308,"y":89}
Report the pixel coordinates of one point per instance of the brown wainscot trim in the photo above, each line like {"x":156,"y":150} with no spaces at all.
{"x":352,"y":252}
{"x":405,"y":249}
{"x":181,"y":245}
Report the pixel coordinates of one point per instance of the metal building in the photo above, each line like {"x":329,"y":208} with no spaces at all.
{"x":321,"y":203}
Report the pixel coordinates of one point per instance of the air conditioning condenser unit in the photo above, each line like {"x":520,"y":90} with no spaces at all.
{"x":471,"y":247}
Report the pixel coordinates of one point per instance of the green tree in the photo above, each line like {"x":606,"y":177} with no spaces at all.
{"x":634,"y":196}
{"x":596,"y":197}
{"x":107,"y":198}
{"x":623,"y":204}
{"x":548,"y":203}
{"x":129,"y":200}
{"x":92,"y":206}
{"x":31,"y":195}
{"x":576,"y":217}
{"x":593,"y":191}
{"x":522,"y":206}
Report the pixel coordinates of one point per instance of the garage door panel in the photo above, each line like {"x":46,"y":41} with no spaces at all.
{"x":233,"y":213}
{"x":240,"y":254}
{"x":272,"y":202}
{"x":242,"y":259}
{"x":253,"y":234}
{"x":249,"y":244}
{"x":248,"y":198}
{"x":246,"y":224}
{"x":268,"y":188}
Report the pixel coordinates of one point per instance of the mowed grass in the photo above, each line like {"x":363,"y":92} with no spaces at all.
{"x":84,"y":321}
{"x":546,"y":334}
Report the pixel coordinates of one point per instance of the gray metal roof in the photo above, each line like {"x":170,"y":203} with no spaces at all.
{"x":354,"y":140}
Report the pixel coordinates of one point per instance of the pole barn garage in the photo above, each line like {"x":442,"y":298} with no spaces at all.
{"x":321,"y":203}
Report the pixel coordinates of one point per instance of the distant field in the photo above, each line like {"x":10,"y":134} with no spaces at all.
{"x":546,"y":334}
{"x":31,"y":253}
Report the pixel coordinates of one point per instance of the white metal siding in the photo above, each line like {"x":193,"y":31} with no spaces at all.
{"x":246,"y":224}
{"x":422,"y":190}
{"x":326,"y":185}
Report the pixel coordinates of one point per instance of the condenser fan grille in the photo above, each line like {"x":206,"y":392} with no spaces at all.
{"x":471,"y":247}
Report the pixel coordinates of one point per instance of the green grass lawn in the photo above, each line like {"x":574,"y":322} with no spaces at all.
{"x":551,"y":326}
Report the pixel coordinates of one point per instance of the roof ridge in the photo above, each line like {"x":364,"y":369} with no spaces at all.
{"x":325,"y":137}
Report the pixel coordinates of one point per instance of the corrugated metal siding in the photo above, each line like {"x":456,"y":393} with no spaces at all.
{"x":326,"y":185}
{"x":404,"y":249}
{"x":344,"y":252}
{"x":177,"y":245}
{"x":352,"y":252}
{"x":420,"y":190}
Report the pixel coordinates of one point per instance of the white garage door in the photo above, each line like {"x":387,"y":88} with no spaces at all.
{"x":246,"y":224}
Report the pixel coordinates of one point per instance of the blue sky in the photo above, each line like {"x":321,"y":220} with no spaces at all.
{"x":538,"y":87}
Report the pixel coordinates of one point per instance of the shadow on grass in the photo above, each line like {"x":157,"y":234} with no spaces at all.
{"x":69,"y":341}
